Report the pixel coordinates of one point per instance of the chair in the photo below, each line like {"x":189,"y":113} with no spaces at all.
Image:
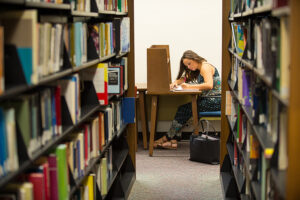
{"x":209,"y":115}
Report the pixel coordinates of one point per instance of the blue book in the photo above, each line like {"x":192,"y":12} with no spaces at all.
{"x":78,"y":157}
{"x":128,"y":110}
{"x":25,"y":56}
{"x":106,"y":126}
{"x":53,"y":112}
{"x":78,"y":40}
{"x":3,"y":143}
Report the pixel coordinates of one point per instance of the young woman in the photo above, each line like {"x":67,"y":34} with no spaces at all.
{"x":194,"y":73}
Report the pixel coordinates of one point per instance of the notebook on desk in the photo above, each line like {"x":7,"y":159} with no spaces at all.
{"x":180,"y":89}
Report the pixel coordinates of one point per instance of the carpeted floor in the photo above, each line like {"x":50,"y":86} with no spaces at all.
{"x":169,"y":174}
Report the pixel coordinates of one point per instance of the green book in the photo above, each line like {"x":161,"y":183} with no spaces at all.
{"x":103,"y":167}
{"x":22,"y":108}
{"x":62,"y":172}
{"x":119,"y":5}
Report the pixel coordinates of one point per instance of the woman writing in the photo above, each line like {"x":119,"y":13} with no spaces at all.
{"x":194,"y":73}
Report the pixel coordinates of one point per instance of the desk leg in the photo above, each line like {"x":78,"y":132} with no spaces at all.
{"x":143,"y":118}
{"x":153,"y":123}
{"x":195,"y":114}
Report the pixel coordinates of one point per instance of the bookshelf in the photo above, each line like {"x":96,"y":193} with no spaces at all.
{"x":259,"y":100}
{"x":70,"y":139}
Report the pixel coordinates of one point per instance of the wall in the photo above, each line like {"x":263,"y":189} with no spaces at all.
{"x":188,"y":24}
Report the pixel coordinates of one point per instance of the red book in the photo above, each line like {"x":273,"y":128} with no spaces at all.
{"x":100,"y":132}
{"x":37,"y":179}
{"x":58,"y":109}
{"x":86,"y":145}
{"x":241,"y":127}
{"x":90,"y":128}
{"x":53,"y":177}
{"x":102,"y":127}
{"x":46,"y":180}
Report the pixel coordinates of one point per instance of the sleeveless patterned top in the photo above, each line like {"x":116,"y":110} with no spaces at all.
{"x":216,"y":90}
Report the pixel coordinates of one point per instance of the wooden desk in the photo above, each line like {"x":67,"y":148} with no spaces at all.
{"x":154,"y":108}
{"x":142,"y":88}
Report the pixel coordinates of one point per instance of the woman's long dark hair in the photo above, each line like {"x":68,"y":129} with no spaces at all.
{"x":189,"y":75}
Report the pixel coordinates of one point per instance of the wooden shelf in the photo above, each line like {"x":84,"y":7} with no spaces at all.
{"x":89,"y":108}
{"x":44,"y":149}
{"x":84,"y":14}
{"x":48,"y":5}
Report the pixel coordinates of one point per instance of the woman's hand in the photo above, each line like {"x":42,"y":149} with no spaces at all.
{"x":173,"y":85}
{"x":184,"y":85}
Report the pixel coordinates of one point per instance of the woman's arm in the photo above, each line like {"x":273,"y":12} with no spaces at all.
{"x":207,"y":73}
{"x":176,"y":82}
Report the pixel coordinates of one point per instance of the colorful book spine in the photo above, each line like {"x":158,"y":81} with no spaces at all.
{"x":53,"y":177}
{"x":62,"y":172}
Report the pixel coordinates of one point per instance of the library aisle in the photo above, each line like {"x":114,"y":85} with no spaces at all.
{"x":170,"y":175}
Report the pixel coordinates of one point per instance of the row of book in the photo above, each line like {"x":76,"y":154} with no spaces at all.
{"x":108,"y":78}
{"x":83,"y":147}
{"x":102,"y":5}
{"x":249,"y":156}
{"x":238,"y":6}
{"x":41,"y":51}
{"x":111,"y":37}
{"x":47,"y":1}
{"x":263,"y":106}
{"x":112,"y":5}
{"x":264,"y":42}
{"x":37,"y":117}
{"x":50,"y":179}
{"x":85,"y":5}
{"x":47,"y":181}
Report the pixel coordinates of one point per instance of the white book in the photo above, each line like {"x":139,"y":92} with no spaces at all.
{"x":282,"y":150}
{"x":57,"y":47}
{"x":81,"y":156}
{"x":10,"y":125}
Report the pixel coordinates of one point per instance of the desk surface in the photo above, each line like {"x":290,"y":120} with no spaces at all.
{"x":143,"y":87}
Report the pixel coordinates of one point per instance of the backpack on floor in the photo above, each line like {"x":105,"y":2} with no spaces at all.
{"x":205,"y":148}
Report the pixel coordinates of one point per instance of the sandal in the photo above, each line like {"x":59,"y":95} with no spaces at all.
{"x":158,"y":143}
{"x":172,"y":144}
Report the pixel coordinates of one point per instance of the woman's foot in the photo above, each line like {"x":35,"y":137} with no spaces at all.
{"x":158,"y":143}
{"x":172,"y":144}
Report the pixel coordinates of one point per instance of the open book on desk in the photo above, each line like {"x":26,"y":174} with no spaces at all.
{"x":180,"y":89}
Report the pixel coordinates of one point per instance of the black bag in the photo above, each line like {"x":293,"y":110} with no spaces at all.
{"x":205,"y":148}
